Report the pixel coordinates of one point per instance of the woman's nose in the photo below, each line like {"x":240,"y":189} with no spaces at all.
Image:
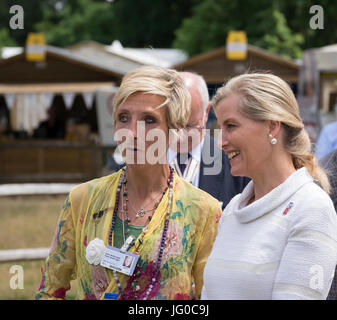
{"x":222,"y":140}
{"x":133,"y":128}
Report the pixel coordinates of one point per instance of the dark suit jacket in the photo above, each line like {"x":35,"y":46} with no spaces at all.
{"x":329,"y":162}
{"x":221,"y":184}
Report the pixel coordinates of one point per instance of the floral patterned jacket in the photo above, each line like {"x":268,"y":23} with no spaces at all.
{"x":87,"y":214}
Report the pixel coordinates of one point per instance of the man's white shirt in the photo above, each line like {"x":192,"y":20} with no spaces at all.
{"x":192,"y":170}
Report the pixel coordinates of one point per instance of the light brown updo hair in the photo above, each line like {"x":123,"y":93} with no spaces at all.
{"x":159,"y":81}
{"x":264,"y":97}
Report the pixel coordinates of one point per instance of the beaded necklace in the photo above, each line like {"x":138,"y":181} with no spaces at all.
{"x":163,"y":240}
{"x":139,"y":213}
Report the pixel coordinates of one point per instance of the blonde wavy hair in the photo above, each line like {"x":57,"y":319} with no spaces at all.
{"x":265,"y":96}
{"x":159,"y":81}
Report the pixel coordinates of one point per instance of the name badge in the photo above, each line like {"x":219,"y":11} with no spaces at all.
{"x":124,"y":262}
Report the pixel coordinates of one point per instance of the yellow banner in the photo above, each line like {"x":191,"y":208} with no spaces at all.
{"x":35,"y":47}
{"x":236,"y":47}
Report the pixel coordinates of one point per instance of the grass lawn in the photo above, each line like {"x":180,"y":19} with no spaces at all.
{"x":27,"y":222}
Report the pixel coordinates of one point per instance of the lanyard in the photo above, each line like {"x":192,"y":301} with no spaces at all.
{"x":190,"y":170}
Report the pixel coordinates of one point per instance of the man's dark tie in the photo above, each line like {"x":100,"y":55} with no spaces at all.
{"x":181,"y":159}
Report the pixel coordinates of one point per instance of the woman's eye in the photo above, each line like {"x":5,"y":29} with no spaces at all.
{"x":149,"y":120}
{"x":122,"y":118}
{"x":231,"y":126}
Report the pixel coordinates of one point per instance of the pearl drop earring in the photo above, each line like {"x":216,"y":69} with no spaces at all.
{"x":273,"y":140}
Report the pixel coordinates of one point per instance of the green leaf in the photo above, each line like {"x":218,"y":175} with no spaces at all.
{"x":175,"y":215}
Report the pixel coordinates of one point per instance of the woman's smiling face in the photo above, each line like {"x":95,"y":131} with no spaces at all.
{"x":245,"y":141}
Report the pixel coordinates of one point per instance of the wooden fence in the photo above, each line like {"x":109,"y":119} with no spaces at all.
{"x":23,"y":254}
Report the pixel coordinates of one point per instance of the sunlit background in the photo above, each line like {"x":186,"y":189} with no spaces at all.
{"x":62,"y":60}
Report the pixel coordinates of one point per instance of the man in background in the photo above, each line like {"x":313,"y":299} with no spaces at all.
{"x":202,"y":163}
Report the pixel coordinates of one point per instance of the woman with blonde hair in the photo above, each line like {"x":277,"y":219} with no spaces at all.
{"x":144,"y":213}
{"x":278,"y":238}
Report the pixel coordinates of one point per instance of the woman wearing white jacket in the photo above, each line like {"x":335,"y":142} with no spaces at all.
{"x":278,"y":238}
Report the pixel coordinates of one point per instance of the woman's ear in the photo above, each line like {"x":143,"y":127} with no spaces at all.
{"x":274,"y":128}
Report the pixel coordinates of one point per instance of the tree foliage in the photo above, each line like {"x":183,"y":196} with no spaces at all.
{"x":264,"y":23}
{"x":281,"y":26}
{"x":135,"y":23}
{"x":5,"y":40}
{"x":144,"y":23}
{"x":73,"y":21}
{"x":281,"y":39}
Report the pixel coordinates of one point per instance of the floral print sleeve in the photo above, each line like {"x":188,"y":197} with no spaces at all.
{"x":205,"y":245}
{"x":60,"y":264}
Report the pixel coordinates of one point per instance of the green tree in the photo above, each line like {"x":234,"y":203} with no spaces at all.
{"x":281,"y":39}
{"x":145,"y":23}
{"x":263,"y":22}
{"x":76,"y":20}
{"x":298,"y":18}
{"x":281,"y":26}
{"x":138,"y":23}
{"x":5,"y":40}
